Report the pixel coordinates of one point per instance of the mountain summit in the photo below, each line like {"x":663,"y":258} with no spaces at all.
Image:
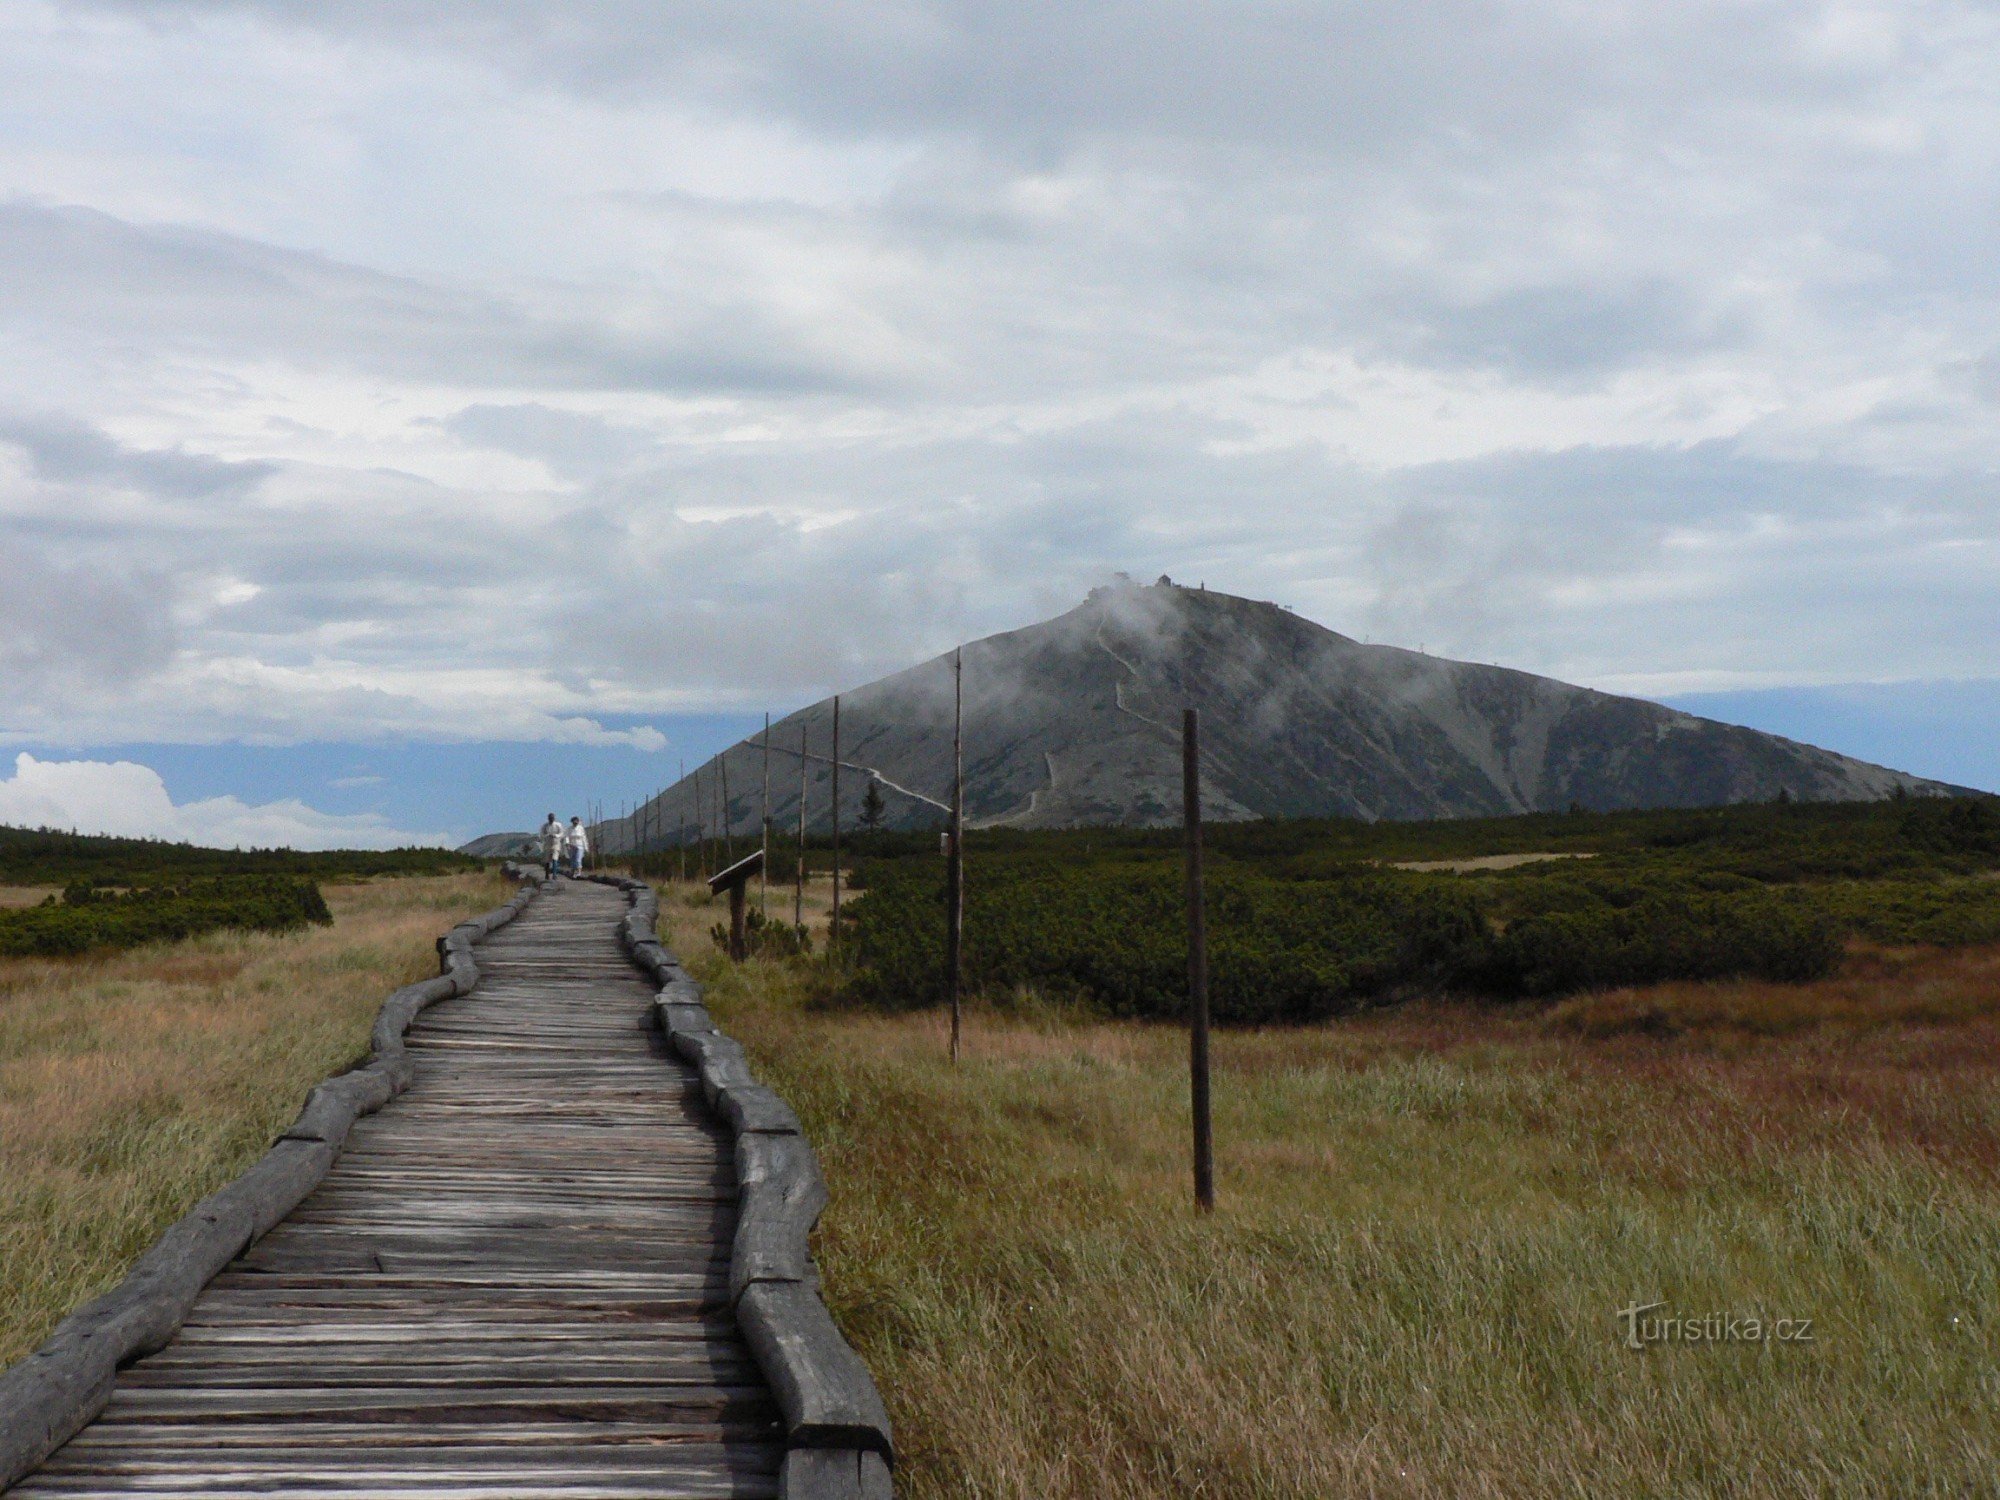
{"x":1077,"y":720}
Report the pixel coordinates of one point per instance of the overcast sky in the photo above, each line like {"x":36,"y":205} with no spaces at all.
{"x":533,"y":372}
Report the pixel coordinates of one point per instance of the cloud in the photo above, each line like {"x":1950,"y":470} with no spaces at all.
{"x":79,"y":630}
{"x":422,"y":370}
{"x":574,"y":444}
{"x":70,"y":273}
{"x":65,"y":450}
{"x":643,"y":737}
{"x":131,"y":801}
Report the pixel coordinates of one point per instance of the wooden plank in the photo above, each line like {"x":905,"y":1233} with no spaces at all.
{"x":513,"y":1281}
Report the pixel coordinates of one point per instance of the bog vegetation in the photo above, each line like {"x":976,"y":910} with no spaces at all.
{"x":120,"y":893}
{"x":1429,"y":1218}
{"x":1314,"y":918}
{"x":86,"y":917}
{"x":45,"y":856}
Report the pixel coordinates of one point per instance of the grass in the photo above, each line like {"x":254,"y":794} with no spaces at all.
{"x":133,"y":1084}
{"x":1429,"y":1218}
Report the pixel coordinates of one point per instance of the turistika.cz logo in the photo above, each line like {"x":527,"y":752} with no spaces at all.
{"x":1641,"y":1330}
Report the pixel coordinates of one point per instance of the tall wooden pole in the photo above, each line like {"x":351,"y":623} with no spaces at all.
{"x":681,"y":832}
{"x":700,"y":829}
{"x":954,"y":875}
{"x":799,"y":869}
{"x":722,"y":816}
{"x":764,"y":830}
{"x":833,"y":931}
{"x":1204,"y":1135}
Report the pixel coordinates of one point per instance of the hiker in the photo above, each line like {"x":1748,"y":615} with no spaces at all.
{"x":552,"y":845}
{"x":579,"y":845}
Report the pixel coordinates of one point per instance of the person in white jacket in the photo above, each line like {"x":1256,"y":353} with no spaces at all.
{"x":553,"y":840}
{"x":579,"y":846}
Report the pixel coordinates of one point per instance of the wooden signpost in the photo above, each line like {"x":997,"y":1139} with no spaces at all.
{"x":733,"y":880}
{"x":1204,"y":1137}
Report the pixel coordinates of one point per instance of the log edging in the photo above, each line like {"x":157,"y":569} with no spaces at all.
{"x":837,"y":1438}
{"x":47,"y":1398}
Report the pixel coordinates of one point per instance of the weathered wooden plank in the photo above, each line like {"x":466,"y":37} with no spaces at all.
{"x":512,"y":1282}
{"x":543,"y":1460}
{"x":304,"y":1433}
{"x":665,"y":1400}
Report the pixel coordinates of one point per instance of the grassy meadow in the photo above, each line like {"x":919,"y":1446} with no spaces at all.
{"x":1429,"y":1219}
{"x":134,"y":1083}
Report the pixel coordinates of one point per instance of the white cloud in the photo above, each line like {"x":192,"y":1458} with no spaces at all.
{"x":432,"y":371}
{"x":131,"y":801}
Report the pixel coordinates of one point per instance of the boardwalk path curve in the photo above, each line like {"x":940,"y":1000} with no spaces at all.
{"x":513,"y":1282}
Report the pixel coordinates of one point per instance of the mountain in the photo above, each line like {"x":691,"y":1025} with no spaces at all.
{"x":1077,"y":720}
{"x":504,"y":846}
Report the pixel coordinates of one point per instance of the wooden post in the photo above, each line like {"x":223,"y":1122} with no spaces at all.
{"x":833,"y":928}
{"x":722,"y":815}
{"x":681,"y":831}
{"x":799,"y":869}
{"x":700,"y":830}
{"x":764,"y":829}
{"x":954,"y":872}
{"x":1204,"y":1137}
{"x":736,"y":880}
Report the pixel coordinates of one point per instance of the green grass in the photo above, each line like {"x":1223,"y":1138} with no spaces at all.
{"x":1429,"y":1218}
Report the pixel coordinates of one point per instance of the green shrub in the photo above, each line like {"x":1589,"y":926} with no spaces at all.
{"x":1292,"y":951}
{"x":1662,"y":938}
{"x":1279,"y":951}
{"x":88,"y":918}
{"x":30,"y":856}
{"x":1309,"y":917}
{"x":764,"y":938}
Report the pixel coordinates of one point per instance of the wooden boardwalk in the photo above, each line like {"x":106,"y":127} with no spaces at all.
{"x":513,"y":1283}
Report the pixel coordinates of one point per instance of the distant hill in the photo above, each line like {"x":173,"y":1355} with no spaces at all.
{"x":1077,"y":721}
{"x":503,"y":846}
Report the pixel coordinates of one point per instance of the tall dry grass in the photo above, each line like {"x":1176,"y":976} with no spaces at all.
{"x":133,"y":1084}
{"x":1428,"y":1222}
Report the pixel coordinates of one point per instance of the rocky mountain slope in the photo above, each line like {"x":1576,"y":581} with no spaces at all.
{"x":1077,"y":720}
